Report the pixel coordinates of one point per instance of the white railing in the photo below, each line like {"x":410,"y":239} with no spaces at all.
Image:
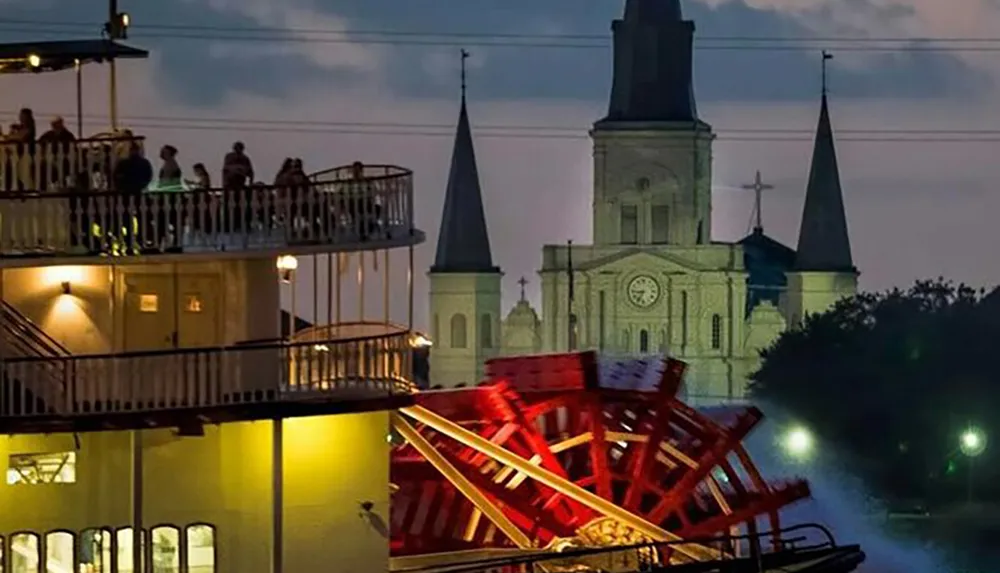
{"x":251,"y":373}
{"x":61,"y":166}
{"x":351,"y":212}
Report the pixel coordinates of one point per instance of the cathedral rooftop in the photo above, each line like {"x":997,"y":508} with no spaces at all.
{"x":824,"y":243}
{"x":463,"y":243}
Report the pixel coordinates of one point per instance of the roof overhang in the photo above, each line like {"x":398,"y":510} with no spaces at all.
{"x":53,"y":56}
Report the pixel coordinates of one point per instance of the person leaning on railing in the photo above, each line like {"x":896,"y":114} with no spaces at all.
{"x":132,"y":175}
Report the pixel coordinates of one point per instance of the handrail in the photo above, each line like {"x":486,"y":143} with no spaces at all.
{"x":478,"y":565}
{"x":19,"y":319}
{"x":260,"y":217}
{"x":236,"y":347}
{"x":208,"y":377}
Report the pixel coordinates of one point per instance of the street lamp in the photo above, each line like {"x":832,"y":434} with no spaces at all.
{"x":972,"y":442}
{"x":798,"y":443}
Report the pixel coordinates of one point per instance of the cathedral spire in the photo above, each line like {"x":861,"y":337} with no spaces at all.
{"x":463,"y":242}
{"x":653,"y":52}
{"x":824,"y":243}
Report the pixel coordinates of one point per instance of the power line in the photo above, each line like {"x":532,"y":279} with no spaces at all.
{"x":402,"y":38}
{"x":481,"y":34}
{"x":192,"y":126}
{"x":523,"y":131}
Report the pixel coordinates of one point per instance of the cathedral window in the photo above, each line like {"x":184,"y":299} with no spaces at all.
{"x":716,"y":332}
{"x":458,"y":334}
{"x":660,"y":215}
{"x":486,"y":332}
{"x":629,"y":225}
{"x":644,"y":342}
{"x":701,"y":232}
{"x":435,"y":329}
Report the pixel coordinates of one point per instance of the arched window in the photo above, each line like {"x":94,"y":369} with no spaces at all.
{"x":626,"y":341}
{"x":574,"y":332}
{"x":458,"y":339}
{"x":166,"y":543}
{"x":124,"y":558}
{"x":435,"y":329}
{"x":95,"y":550}
{"x":486,"y":331}
{"x":716,"y":332}
{"x":200,"y":548}
{"x":59,"y":548}
{"x":24,"y":553}
{"x":643,"y":341}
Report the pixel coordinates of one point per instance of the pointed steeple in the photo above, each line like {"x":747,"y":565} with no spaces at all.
{"x":824,"y":243}
{"x":650,"y":11}
{"x":463,"y":243}
{"x":653,"y":67}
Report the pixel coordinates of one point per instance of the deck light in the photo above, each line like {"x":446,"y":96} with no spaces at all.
{"x":420,"y":341}
{"x":287,"y":264}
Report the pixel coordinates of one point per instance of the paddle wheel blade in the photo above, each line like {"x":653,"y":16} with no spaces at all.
{"x":572,"y":450}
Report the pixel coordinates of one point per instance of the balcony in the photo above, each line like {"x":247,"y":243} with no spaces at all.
{"x":308,"y":375}
{"x":55,"y":202}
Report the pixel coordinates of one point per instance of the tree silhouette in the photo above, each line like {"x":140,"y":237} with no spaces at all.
{"x":891,"y":379}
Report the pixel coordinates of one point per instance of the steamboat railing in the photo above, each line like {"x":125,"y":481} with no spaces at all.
{"x":248,"y":373}
{"x":53,"y":166}
{"x":373,"y":209}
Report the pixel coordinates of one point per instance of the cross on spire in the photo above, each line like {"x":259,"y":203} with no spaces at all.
{"x":827,"y":56}
{"x":758,"y":187}
{"x":523,"y":282}
{"x":465,"y":56}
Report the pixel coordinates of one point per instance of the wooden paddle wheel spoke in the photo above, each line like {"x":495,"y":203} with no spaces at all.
{"x":564,"y":450}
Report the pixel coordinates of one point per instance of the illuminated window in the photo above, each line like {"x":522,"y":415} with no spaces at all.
{"x":200,"y":549}
{"x":166,"y":549}
{"x":41,"y":468}
{"x":149,"y":303}
{"x":124,"y":557}
{"x":59,"y":551}
{"x":192,"y":303}
{"x":95,"y":551}
{"x":24,"y":553}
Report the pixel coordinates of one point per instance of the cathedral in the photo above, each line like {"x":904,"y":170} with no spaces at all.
{"x":653,"y":281}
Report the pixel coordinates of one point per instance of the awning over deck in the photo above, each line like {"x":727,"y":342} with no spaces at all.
{"x":51,"y":56}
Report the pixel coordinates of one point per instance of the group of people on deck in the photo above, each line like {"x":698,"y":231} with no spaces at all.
{"x":118,"y":162}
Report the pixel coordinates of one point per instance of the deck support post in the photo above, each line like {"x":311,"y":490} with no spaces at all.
{"x":277,"y":494}
{"x":138,"y":547}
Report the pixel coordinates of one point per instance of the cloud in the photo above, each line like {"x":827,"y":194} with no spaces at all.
{"x":293,"y":17}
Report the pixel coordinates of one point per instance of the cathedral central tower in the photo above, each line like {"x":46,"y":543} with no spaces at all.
{"x":652,"y":155}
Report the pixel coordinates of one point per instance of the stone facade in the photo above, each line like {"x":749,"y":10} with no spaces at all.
{"x":653,"y":282}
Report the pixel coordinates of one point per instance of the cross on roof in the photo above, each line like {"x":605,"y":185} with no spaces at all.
{"x":465,"y":56}
{"x":523,"y":282}
{"x":758,"y":187}
{"x":827,"y":56}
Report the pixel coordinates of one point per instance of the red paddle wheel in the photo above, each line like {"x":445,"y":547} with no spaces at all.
{"x":564,"y":451}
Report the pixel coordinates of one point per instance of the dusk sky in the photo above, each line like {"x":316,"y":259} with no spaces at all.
{"x":916,"y":209}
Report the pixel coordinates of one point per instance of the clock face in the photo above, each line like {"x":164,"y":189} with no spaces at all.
{"x":643,"y":291}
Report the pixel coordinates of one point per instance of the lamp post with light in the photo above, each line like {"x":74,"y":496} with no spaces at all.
{"x":972,"y":444}
{"x":287,"y":265}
